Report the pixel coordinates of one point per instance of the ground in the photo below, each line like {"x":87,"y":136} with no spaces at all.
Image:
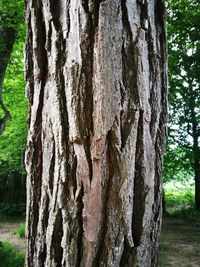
{"x":7,"y":229}
{"x":180,"y":241}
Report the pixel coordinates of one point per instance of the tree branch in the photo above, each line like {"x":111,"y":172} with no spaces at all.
{"x":5,"y":118}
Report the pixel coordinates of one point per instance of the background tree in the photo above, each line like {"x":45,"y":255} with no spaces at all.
{"x":184,"y":86}
{"x":8,"y":33}
{"x":96,"y":81}
{"x":12,"y":141}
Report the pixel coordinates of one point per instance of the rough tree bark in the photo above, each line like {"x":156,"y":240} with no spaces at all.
{"x":96,"y":82}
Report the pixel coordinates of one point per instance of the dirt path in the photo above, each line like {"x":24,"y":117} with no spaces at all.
{"x":7,"y":235}
{"x":180,"y":243}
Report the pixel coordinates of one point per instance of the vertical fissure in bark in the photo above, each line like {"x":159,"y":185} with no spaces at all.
{"x":140,"y":192}
{"x":40,"y":51}
{"x":129,"y":59}
{"x":153,"y":74}
{"x":127,"y":253}
{"x":29,"y":66}
{"x":35,"y":194}
{"x":144,"y":16}
{"x":80,"y":207}
{"x":129,"y":88}
{"x":87,"y":146}
{"x":55,"y":11}
{"x":56,"y":248}
{"x":45,"y":217}
{"x":87,"y":72}
{"x":73,"y":174}
{"x":153,"y":96}
{"x":157,"y":183}
{"x":85,"y":4}
{"x":157,"y":205}
{"x":160,"y":19}
{"x":92,"y":7}
{"x":60,"y":83}
{"x":106,"y":195}
{"x":86,"y":87}
{"x":128,"y":124}
{"x":49,"y":36}
{"x":52,"y":168}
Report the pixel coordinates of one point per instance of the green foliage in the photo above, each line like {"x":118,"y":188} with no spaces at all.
{"x":11,"y":27}
{"x":177,"y":164}
{"x":11,"y":12}
{"x":179,"y":196}
{"x":184,"y":64}
{"x":20,"y":231}
{"x":13,"y":139}
{"x":11,"y":210}
{"x":10,"y":258}
{"x":184,"y":88}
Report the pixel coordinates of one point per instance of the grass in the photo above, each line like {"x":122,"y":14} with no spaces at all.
{"x":179,"y":196}
{"x":180,"y":235}
{"x":20,"y":231}
{"x":180,"y":201}
{"x":9,"y":257}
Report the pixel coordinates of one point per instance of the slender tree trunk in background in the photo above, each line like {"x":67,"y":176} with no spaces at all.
{"x":7,"y":39}
{"x":197,"y":185}
{"x":96,"y":82}
{"x":196,"y":159}
{"x":195,"y":148}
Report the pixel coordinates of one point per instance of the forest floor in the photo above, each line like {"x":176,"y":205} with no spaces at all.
{"x":180,"y":242}
{"x":7,"y":234}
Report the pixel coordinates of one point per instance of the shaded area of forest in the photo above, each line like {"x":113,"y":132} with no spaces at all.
{"x":12,"y":95}
{"x":180,"y":236}
{"x":180,"y":240}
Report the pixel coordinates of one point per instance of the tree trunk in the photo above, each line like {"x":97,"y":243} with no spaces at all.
{"x":96,"y":82}
{"x":196,"y":164}
{"x":197,"y":188}
{"x":195,"y":147}
{"x":7,"y":39}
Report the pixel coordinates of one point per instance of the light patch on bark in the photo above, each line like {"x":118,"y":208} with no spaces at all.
{"x":107,"y":79}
